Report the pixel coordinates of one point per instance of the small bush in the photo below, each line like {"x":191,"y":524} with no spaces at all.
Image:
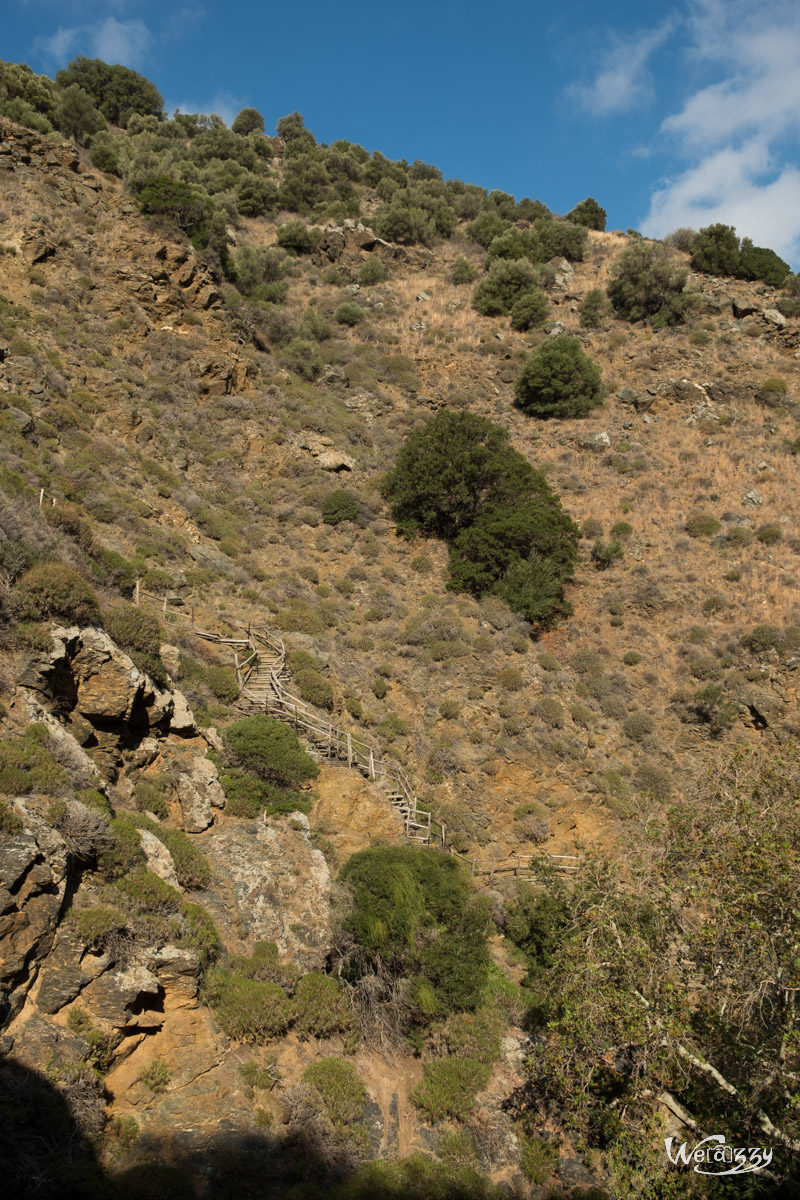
{"x":702,"y":525}
{"x":296,"y":235}
{"x":10,"y":823}
{"x":191,"y":866}
{"x":53,"y":590}
{"x":156,"y":1075}
{"x":638,"y":726}
{"x":631,"y":658}
{"x":775,"y":385}
{"x":462,"y":271}
{"x":140,"y":634}
{"x":371,"y":271}
{"x":762,"y":638}
{"x":249,"y":1010}
{"x":647,"y":284}
{"x":506,"y":282}
{"x":593,"y":309}
{"x":341,"y":1088}
{"x":529,"y":310}
{"x":269,"y":750}
{"x":605,"y":554}
{"x":448,"y":1088}
{"x":511,"y":679}
{"x":340,"y":505}
{"x":349,"y":313}
{"x":321,"y":1007}
{"x":769,"y":534}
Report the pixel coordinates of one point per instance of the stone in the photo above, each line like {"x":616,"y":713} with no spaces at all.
{"x":279,"y":885}
{"x":131,"y":994}
{"x":753,"y":498}
{"x":171,"y":658}
{"x":178,"y":972}
{"x":564,"y":272}
{"x":741,"y":310}
{"x":159,"y":859}
{"x":198,"y":789}
{"x":335,"y":460}
{"x":773,"y":317}
{"x":24,"y":421}
{"x":594,"y":441}
{"x":422,"y":297}
{"x":62,"y":978}
{"x":182,"y":720}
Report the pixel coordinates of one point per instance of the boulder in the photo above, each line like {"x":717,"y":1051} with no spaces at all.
{"x":279,"y":885}
{"x":159,"y":859}
{"x":198,"y":789}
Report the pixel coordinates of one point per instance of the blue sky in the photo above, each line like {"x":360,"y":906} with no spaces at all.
{"x":668,"y":115}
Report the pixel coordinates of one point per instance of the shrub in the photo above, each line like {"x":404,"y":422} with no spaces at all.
{"x":349,"y":313}
{"x":638,"y":726}
{"x":762,"y":638}
{"x":249,"y":1010}
{"x":54,"y":591}
{"x":141,"y":893}
{"x":559,"y":380}
{"x":529,"y":309}
{"x":321,"y":1007}
{"x":249,"y":120}
{"x":98,"y":925}
{"x":449,"y":1086}
{"x":715,"y":250}
{"x":341,"y":1088}
{"x":148,"y":796}
{"x":593,"y":309}
{"x":269,"y":750}
{"x":314,"y":688}
{"x":156,"y":1075}
{"x":26,"y":765}
{"x":702,"y":525}
{"x":631,"y":658}
{"x":178,"y":201}
{"x":191,"y":866}
{"x":588,"y":213}
{"x":605,"y":554}
{"x":413,"y":913}
{"x":10,"y":823}
{"x":296,"y":236}
{"x":511,"y":679}
{"x":647,"y":285}
{"x":371,"y":271}
{"x":506,"y":282}
{"x":340,"y":505}
{"x":622,"y":529}
{"x":758,"y":262}
{"x":769,"y":534}
{"x":462,"y":271}
{"x":199,"y":934}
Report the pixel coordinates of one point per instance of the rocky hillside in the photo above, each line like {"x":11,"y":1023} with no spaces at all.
{"x":159,"y":425}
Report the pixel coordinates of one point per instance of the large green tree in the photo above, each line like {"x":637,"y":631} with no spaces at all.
{"x":117,"y":91}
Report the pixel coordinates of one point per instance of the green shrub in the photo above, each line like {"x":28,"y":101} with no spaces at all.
{"x":247,"y":796}
{"x":296,"y":236}
{"x":448,"y":1088}
{"x":631,"y":658}
{"x":418,"y":1178}
{"x":739,"y":535}
{"x":559,"y":380}
{"x":529,"y":310}
{"x":538,"y":1158}
{"x":762,"y":638}
{"x":199,"y":933}
{"x":506,"y":282}
{"x":622,"y":529}
{"x":414,"y":913}
{"x":593,"y":309}
{"x":10,"y":823}
{"x":511,"y":678}
{"x":249,"y":1010}
{"x":605,"y":554}
{"x":588,"y":213}
{"x":148,"y":795}
{"x":341,"y":1088}
{"x":142,"y":893}
{"x":303,"y":357}
{"x":647,"y":285}
{"x":156,"y":1075}
{"x":715,"y":250}
{"x":321,"y":1007}
{"x":475,"y":1034}
{"x":462,"y":271}
{"x":54,"y":591}
{"x":26,"y":765}
{"x":125,"y":852}
{"x":349,"y":313}
{"x":769,"y":534}
{"x":98,"y":925}
{"x":191,"y":866}
{"x":314,"y":688}
{"x":702,"y":525}
{"x":181,"y":203}
{"x":371,"y":271}
{"x":551,"y":711}
{"x":269,"y":750}
{"x":340,"y":505}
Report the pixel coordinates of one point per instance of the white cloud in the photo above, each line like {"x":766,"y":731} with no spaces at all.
{"x":125,"y":42}
{"x":58,"y":45}
{"x":740,"y":132}
{"x":624,"y":79}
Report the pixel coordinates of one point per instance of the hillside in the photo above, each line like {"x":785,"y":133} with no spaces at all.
{"x":160,"y":423}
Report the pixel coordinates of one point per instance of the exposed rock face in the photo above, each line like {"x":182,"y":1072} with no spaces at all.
{"x":109,"y":706}
{"x":159,"y":859}
{"x":33,"y":875}
{"x":277,"y":883}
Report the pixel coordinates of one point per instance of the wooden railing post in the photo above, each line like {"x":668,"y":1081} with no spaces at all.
{"x":371,"y":765}
{"x":136,"y":593}
{"x":349,"y":750}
